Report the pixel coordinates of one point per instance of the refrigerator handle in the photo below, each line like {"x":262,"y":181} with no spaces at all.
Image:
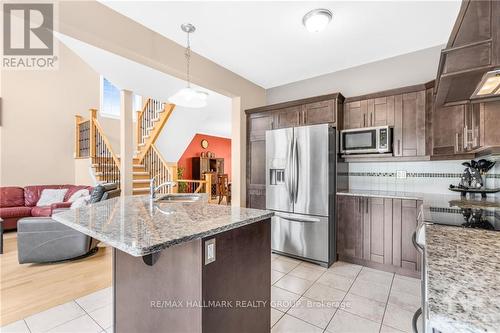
{"x":296,"y":171}
{"x":288,"y":171}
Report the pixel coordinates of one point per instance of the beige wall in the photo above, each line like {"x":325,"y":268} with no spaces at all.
{"x":38,"y":109}
{"x":400,"y":71}
{"x":82,"y":172}
{"x":106,"y":30}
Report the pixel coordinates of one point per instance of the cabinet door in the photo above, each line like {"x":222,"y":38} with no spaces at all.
{"x":377,"y":230}
{"x":489,"y":120}
{"x":349,"y":227}
{"x":405,"y":255}
{"x":383,"y":111}
{"x":258,"y":124}
{"x":355,"y":114}
{"x":409,"y":254}
{"x":256,"y":159}
{"x":287,"y":117}
{"x":409,"y":128}
{"x":448,"y":124}
{"x":319,"y":113}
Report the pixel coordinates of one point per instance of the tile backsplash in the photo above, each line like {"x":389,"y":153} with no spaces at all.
{"x":424,"y":176}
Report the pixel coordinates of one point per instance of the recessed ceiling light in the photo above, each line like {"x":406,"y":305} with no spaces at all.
{"x":317,"y":19}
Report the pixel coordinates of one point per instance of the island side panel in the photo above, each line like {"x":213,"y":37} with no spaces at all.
{"x":175,"y":276}
{"x":241,"y":272}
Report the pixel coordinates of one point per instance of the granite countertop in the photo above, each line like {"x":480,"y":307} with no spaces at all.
{"x":463,"y":278}
{"x":132,"y":225}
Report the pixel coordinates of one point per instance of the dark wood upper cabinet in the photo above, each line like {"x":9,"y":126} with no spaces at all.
{"x":287,"y":117}
{"x":354,"y":114}
{"x":472,"y":49}
{"x":257,"y":125}
{"x":319,"y":112}
{"x":447,"y":126}
{"x":409,"y":127}
{"x":489,"y":118}
{"x":383,"y":111}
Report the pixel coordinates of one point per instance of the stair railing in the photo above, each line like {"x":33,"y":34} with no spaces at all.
{"x":197,"y":186}
{"x":158,"y":168}
{"x":163,"y":171}
{"x":146,"y":118}
{"x":156,"y":120}
{"x":82,"y":137}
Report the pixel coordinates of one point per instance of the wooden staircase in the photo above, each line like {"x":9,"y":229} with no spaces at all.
{"x":91,"y":142}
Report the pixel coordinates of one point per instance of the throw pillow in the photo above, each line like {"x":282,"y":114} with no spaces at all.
{"x":78,"y":194}
{"x":97,"y":193}
{"x":51,"y":196}
{"x":80,"y":202}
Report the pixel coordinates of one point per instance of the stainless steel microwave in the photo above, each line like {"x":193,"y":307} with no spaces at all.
{"x":367,"y":140}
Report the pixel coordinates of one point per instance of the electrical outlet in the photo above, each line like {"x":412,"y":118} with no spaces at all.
{"x":209,"y":251}
{"x":401,"y":174}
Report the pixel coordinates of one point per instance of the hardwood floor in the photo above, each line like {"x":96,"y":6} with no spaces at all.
{"x":30,"y":288}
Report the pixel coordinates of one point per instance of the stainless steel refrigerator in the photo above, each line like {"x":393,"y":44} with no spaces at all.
{"x":300,"y":189}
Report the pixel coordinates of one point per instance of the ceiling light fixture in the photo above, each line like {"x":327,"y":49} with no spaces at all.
{"x":189,"y":97}
{"x":317,"y":19}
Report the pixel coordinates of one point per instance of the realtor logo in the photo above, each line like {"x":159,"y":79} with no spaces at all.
{"x":28,"y":38}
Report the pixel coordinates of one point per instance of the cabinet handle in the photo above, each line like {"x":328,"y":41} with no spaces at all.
{"x":371,"y":119}
{"x":456,"y":142}
{"x":466,"y":138}
{"x":364,"y":120}
{"x":399,"y":147}
{"x":367,"y":205}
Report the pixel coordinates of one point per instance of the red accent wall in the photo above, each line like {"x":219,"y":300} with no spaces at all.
{"x":221,"y":147}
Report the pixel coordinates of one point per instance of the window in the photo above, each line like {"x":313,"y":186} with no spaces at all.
{"x":110,"y":100}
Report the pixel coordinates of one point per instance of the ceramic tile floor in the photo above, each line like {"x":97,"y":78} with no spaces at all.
{"x":304,"y":298}
{"x":345,"y":298}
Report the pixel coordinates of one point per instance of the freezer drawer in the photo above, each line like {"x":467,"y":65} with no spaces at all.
{"x":301,"y":235}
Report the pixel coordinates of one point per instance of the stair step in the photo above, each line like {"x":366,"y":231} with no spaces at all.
{"x":141,"y":181}
{"x":138,"y":165}
{"x":155,"y":119}
{"x":141,"y":144}
{"x":141,"y":173}
{"x":140,"y":185}
{"x":140,"y":190}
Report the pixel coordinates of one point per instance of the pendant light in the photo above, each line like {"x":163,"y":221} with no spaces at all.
{"x":189,"y":97}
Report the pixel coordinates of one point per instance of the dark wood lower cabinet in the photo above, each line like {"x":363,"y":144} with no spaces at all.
{"x":377,"y":232}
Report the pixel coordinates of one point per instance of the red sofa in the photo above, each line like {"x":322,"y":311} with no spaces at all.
{"x":19,"y":202}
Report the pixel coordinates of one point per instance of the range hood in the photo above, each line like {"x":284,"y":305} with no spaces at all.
{"x":471,"y":57}
{"x":489,"y":87}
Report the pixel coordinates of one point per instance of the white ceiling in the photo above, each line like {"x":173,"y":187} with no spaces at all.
{"x":184,"y":123}
{"x":266,"y":43}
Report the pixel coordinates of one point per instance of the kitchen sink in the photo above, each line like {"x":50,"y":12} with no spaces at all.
{"x":182,"y":197}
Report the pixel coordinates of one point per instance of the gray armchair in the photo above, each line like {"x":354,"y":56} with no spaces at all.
{"x":44,"y":240}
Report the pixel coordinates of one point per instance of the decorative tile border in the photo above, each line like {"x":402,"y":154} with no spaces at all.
{"x":457,"y":211}
{"x":411,"y":174}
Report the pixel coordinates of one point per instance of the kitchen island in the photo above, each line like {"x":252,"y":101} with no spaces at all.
{"x":183,"y":266}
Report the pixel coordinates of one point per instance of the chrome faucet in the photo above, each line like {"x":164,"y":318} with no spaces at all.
{"x":153,"y":189}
